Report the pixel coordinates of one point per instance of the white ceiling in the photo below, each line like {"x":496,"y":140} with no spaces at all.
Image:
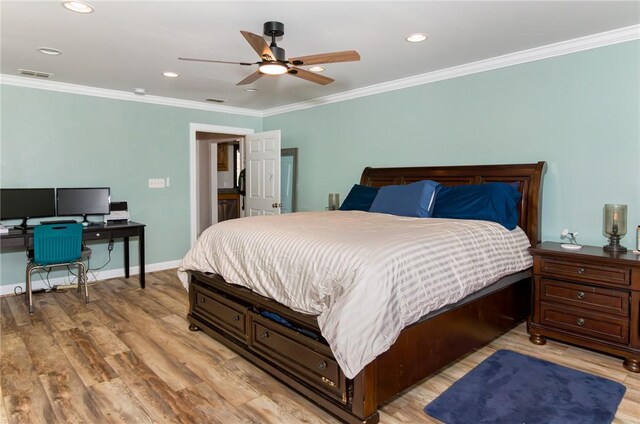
{"x":125,"y":44}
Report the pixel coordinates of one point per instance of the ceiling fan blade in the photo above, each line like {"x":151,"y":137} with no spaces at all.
{"x":345,"y":56}
{"x":259,"y":45}
{"x":217,"y":61}
{"x":251,"y":78}
{"x":310,"y":76}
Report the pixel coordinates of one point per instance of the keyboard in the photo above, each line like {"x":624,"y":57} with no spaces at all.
{"x":59,"y":221}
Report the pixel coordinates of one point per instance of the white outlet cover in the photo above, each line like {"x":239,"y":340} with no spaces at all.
{"x":156,"y":182}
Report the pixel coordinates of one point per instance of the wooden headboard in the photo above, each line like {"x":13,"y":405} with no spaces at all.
{"x":529,"y":177}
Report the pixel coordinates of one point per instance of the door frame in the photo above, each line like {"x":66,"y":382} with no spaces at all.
{"x":193,"y":192}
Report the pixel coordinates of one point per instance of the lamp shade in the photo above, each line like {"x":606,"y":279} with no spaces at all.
{"x":615,"y":219}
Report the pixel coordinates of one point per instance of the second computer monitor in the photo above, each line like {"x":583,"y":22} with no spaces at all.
{"x":83,"y":201}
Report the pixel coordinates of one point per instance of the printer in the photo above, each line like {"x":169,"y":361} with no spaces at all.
{"x":119,"y":213}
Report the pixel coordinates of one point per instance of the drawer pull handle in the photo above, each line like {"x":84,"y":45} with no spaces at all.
{"x":236,"y":318}
{"x":202,"y":300}
{"x":580,"y":295}
{"x":264,"y":335}
{"x":581,"y":271}
{"x":97,"y":234}
{"x":322,"y":365}
{"x":580,"y":322}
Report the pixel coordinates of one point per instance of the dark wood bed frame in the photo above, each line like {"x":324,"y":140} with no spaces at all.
{"x":231,"y":314}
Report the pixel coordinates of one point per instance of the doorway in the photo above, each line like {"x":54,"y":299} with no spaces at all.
{"x":203,"y":161}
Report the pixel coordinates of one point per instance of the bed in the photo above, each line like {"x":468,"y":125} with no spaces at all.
{"x":291,"y":347}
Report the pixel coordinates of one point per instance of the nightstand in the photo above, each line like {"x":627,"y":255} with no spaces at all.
{"x":587,"y":297}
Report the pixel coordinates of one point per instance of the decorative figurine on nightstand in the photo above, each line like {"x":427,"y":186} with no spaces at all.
{"x":573,"y":244}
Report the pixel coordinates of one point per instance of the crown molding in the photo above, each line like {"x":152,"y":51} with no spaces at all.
{"x":121,"y":95}
{"x":616,"y":36}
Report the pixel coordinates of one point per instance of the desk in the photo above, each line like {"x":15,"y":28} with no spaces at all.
{"x":21,"y":239}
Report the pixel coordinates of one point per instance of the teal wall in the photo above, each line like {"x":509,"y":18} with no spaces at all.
{"x":579,"y":112}
{"x":52,"y":139}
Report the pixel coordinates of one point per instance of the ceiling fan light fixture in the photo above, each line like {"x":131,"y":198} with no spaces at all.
{"x":273,"y":68}
{"x":77,"y":6}
{"x":416,"y":37}
{"x":317,"y":69}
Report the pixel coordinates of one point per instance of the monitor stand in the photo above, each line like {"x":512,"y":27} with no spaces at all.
{"x":86,"y":223}
{"x":23,"y":225}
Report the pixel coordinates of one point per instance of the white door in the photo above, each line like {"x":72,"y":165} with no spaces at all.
{"x":262,"y":173}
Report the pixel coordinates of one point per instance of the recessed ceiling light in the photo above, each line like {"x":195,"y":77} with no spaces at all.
{"x":316,"y":69}
{"x":50,"y":51}
{"x":250,"y":90}
{"x":417,"y":37}
{"x":78,"y":6}
{"x":171,"y":74}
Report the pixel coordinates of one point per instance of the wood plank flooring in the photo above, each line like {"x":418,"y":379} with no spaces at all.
{"x":128,"y":357}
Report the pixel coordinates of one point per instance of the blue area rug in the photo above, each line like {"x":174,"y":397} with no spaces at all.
{"x":512,"y":388}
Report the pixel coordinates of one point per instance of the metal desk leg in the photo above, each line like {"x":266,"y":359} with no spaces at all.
{"x":126,"y":257}
{"x":141,"y":256}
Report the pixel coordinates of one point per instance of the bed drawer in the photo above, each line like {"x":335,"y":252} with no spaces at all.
{"x":298,"y":353}
{"x":584,"y":322}
{"x":222,"y":312}
{"x":586,"y":272}
{"x":596,"y":299}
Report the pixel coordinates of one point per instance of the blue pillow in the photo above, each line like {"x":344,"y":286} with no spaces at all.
{"x":497,"y":202}
{"x":415,"y":199}
{"x":359,"y":198}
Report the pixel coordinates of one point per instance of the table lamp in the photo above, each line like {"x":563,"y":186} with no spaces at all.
{"x":615,"y":226}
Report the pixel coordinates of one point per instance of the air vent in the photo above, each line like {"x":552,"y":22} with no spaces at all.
{"x":211,"y":99}
{"x":38,"y":74}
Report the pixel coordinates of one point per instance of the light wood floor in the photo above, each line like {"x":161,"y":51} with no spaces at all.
{"x":128,"y":357}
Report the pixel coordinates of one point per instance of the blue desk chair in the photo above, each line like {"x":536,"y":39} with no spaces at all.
{"x":57,"y":245}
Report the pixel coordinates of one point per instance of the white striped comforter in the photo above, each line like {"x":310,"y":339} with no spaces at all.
{"x":366,"y":275}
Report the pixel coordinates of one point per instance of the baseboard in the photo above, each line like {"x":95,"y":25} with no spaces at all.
{"x":93,"y":276}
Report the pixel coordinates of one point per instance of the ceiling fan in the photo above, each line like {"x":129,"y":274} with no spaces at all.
{"x":273,"y":60}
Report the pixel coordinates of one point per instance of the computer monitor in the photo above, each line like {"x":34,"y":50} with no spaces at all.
{"x":83,"y":201}
{"x":25,"y":203}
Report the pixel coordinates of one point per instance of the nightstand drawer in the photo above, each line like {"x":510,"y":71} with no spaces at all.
{"x":586,"y":323}
{"x":585,"y":272}
{"x":595,"y":299}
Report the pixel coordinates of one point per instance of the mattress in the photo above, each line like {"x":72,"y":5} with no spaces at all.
{"x":365,"y":275}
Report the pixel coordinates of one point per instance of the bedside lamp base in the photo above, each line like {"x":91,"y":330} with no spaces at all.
{"x":614,"y":245}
